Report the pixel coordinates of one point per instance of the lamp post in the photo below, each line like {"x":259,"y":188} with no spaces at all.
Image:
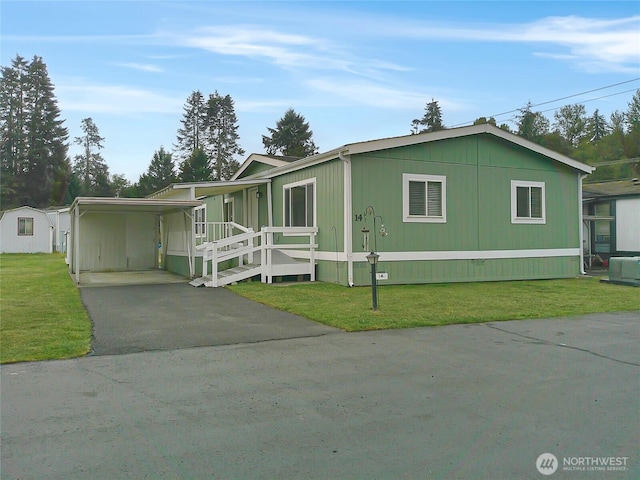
{"x":372,"y":258}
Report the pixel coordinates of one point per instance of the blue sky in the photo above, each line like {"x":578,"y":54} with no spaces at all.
{"x":356,"y":70}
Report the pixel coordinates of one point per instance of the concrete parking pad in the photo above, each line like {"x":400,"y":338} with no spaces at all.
{"x":137,"y":318}
{"x":458,"y":402}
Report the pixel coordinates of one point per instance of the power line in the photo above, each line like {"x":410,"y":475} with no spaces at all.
{"x":568,"y":96}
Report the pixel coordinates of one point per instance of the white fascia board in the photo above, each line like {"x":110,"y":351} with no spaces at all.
{"x":256,"y":157}
{"x":407,"y":140}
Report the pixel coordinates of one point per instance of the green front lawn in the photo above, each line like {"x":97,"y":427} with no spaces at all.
{"x":41,"y":314}
{"x":402,"y":306}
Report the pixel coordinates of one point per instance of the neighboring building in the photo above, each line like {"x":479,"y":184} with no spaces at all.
{"x":61,"y":221}
{"x":26,"y":230}
{"x":611,"y":213}
{"x":467,"y":204}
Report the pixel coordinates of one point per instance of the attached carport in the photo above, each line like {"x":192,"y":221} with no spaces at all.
{"x":122,"y":234}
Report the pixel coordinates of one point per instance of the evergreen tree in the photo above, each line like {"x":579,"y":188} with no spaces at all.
{"x":222,"y":136}
{"x":192,"y":132}
{"x":597,"y":127}
{"x":33,"y":140}
{"x":291,"y":137}
{"x":89,"y":166}
{"x":196,"y":168}
{"x":632,"y":123}
{"x":431,"y":121}
{"x":161,"y":173}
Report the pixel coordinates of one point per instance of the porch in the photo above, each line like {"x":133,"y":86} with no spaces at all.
{"x":232,"y":252}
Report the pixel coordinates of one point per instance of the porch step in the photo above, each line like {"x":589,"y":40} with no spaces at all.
{"x":198,"y":282}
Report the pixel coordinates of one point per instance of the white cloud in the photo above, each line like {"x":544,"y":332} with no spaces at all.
{"x":115,"y":99}
{"x":145,"y":67}
{"x":609,"y":44}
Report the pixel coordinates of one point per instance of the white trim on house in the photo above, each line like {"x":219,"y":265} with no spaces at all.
{"x":445,"y":255}
{"x":257,"y":157}
{"x":406,"y":140}
{"x":407,"y":217}
{"x":289,"y":186}
{"x":529,"y":219}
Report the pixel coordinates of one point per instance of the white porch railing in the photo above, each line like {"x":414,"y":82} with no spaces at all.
{"x":214,"y":231}
{"x":266,"y":254}
{"x":271,"y":268}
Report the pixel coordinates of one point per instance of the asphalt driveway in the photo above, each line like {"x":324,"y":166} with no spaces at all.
{"x":137,"y":318}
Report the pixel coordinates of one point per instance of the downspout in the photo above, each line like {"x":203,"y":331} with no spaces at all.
{"x":348,"y":211}
{"x":580,"y":223}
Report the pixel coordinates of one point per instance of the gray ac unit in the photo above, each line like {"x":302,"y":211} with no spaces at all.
{"x":624,"y":270}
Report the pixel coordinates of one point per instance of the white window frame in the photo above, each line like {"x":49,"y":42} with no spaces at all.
{"x":514,"y":203}
{"x":200,"y":221}
{"x":24,"y":232}
{"x":289,"y":186}
{"x":229,"y":213}
{"x":414,"y":177}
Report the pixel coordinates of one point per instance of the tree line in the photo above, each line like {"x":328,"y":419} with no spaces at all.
{"x":36,"y":169}
{"x":591,"y":139}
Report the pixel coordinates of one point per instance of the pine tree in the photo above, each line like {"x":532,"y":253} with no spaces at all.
{"x":161,"y":173}
{"x":89,"y":166}
{"x":291,"y":137}
{"x":597,"y":127}
{"x":33,"y":141}
{"x":222,"y":136}
{"x":196,"y":168}
{"x":191,"y":134}
{"x":431,"y":121}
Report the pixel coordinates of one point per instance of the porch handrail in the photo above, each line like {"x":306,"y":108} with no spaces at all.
{"x":244,"y":245}
{"x":214,"y":231}
{"x":220,"y":251}
{"x":268,"y":245}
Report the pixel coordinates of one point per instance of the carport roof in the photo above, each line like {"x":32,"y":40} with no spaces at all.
{"x":106,"y":204}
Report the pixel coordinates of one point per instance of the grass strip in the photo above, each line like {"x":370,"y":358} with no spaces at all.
{"x":403,"y":306}
{"x":41,"y":314}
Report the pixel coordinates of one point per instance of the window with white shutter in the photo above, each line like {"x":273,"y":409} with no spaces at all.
{"x":424,"y":198}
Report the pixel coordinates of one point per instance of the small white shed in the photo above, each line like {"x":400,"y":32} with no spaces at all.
{"x":123,"y":234}
{"x":26,"y":230}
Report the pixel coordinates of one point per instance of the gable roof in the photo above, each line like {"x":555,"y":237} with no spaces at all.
{"x":272,"y":160}
{"x":407,"y":140}
{"x":26,"y":207}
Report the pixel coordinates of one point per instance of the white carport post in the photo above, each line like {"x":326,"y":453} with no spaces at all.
{"x":76,"y":242}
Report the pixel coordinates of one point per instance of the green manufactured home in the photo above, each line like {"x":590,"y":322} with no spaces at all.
{"x":467,"y":204}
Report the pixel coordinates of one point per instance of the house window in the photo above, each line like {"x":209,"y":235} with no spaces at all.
{"x":25,"y":226}
{"x":527,"y":202}
{"x":200,"y":221}
{"x":299,"y":204}
{"x":228,"y":209}
{"x":424,"y":198}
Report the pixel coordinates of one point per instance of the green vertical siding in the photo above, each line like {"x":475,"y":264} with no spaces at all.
{"x":330,"y":202}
